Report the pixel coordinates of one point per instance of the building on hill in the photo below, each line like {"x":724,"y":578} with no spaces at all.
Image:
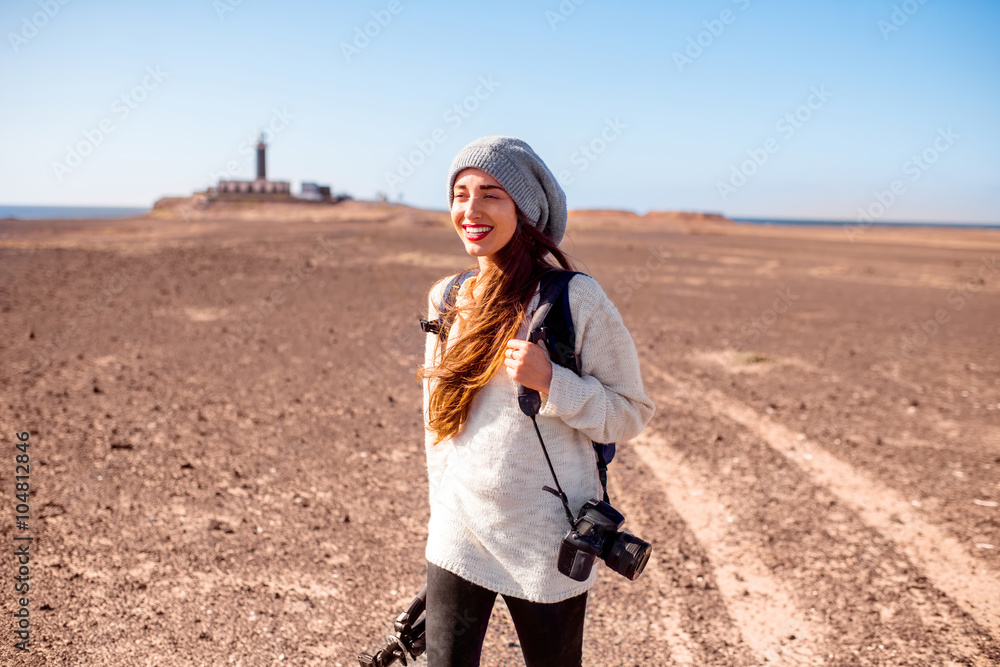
{"x":261,"y":188}
{"x":256,"y":187}
{"x":315,"y":192}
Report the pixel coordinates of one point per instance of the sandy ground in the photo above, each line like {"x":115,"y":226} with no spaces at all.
{"x":226,"y":462}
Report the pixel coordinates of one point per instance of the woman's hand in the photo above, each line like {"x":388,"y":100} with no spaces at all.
{"x":528,"y":364}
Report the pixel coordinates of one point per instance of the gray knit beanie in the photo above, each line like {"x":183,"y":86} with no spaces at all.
{"x":522,"y":174}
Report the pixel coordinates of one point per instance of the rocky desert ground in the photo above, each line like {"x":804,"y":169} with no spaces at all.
{"x":226,"y":447}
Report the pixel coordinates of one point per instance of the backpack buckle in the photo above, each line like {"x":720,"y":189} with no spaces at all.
{"x":430,"y":326}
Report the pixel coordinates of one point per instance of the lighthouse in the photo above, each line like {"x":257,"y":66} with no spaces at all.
{"x":262,"y":189}
{"x":256,"y":187}
{"x":261,"y":158}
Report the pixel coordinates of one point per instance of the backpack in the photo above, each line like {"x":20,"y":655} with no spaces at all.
{"x":552,"y":322}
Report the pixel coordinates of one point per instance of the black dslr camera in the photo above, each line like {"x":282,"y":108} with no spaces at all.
{"x":596,"y":534}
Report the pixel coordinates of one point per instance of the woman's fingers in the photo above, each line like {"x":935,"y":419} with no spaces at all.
{"x":527,"y":364}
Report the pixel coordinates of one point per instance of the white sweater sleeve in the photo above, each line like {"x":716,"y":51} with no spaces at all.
{"x":436,"y":454}
{"x":606,"y":401}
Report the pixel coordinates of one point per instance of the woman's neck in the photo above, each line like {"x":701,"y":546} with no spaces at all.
{"x":479,"y":285}
{"x":484,"y":263}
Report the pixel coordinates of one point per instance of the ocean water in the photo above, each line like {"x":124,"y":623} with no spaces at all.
{"x":843,"y":223}
{"x":83,"y":212}
{"x":68,"y":212}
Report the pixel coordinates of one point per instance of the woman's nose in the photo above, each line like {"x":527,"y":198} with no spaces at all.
{"x":473,"y":210}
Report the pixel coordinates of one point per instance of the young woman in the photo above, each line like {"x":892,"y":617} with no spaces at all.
{"x":492,"y":528}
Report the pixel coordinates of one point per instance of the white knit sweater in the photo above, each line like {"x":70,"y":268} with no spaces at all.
{"x":491,"y":523}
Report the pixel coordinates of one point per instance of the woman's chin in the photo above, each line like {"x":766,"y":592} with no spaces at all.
{"x":476,"y":250}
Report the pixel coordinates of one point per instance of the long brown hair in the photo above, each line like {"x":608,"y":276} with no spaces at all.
{"x":508,"y":284}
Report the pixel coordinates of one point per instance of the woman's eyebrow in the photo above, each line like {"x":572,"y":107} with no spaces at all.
{"x":481,"y":187}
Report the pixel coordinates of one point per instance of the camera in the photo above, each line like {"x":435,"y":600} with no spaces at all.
{"x":595,"y":533}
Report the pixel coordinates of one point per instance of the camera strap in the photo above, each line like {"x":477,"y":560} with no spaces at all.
{"x":557,"y":492}
{"x":554,"y":298}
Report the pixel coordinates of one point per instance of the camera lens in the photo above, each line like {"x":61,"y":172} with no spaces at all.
{"x":628,"y":555}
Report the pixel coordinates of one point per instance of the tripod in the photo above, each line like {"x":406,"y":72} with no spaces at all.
{"x":409,"y":639}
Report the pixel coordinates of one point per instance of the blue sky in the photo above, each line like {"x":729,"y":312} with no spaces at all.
{"x":751,"y":108}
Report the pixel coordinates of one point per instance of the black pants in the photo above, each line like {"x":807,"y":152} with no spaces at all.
{"x":458,"y":612}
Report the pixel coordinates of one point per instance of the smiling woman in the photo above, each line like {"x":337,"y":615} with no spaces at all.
{"x":484,"y":214}
{"x":493,"y":529}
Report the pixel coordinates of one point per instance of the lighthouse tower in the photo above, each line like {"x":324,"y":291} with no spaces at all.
{"x":261,"y":158}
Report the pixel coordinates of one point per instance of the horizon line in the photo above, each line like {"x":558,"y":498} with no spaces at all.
{"x":743,"y":219}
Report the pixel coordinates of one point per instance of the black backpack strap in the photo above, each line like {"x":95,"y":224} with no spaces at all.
{"x":553,"y":320}
{"x":553,"y":323}
{"x":442,"y":324}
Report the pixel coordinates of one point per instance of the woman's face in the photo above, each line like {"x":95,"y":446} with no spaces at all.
{"x":485,"y":216}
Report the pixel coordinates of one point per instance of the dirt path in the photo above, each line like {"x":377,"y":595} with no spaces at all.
{"x":947,"y":562}
{"x":760,"y":604}
{"x":763,"y":611}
